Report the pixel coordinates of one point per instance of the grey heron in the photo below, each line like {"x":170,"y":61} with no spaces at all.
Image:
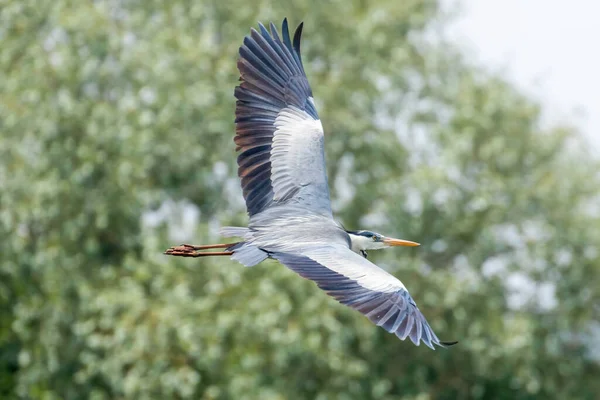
{"x":284,"y":182}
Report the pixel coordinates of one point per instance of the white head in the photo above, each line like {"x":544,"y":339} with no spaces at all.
{"x":361,"y":241}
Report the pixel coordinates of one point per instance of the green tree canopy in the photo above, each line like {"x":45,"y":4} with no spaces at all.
{"x":117,"y":126}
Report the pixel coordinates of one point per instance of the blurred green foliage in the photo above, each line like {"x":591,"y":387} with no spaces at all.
{"x":117,"y":115}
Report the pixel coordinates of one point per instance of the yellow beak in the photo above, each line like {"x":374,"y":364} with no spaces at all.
{"x":399,"y":242}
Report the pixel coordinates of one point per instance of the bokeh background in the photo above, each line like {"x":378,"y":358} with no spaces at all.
{"x":117,"y":122}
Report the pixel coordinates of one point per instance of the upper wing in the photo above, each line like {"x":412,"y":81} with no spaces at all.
{"x":278,"y":130}
{"x":360,"y":284}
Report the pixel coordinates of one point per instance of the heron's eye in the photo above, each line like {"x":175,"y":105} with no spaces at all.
{"x":375,"y":238}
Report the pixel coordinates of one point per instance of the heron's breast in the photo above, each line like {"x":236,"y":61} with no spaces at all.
{"x":291,"y":233}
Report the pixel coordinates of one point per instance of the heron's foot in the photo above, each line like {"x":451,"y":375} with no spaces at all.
{"x":184,"y":250}
{"x":188,"y":250}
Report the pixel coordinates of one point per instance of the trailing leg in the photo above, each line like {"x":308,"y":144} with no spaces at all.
{"x":188,"y":250}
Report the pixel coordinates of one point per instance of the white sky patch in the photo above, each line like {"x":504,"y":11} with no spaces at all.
{"x":547,"y":47}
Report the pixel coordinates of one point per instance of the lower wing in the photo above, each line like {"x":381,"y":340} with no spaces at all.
{"x":356,"y":282}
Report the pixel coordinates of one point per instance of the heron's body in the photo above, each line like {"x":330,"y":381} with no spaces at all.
{"x":292,"y":228}
{"x":282,"y":169}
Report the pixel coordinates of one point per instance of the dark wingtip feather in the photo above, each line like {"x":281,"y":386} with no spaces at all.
{"x":285,"y":32}
{"x":297,"y":37}
{"x":274,"y":31}
{"x":263,"y":30}
{"x":448,"y":344}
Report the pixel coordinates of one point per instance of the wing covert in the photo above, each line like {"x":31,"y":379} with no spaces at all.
{"x":357,"y":283}
{"x":278,"y":131}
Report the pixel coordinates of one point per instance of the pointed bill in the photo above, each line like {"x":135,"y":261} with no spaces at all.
{"x":399,"y":242}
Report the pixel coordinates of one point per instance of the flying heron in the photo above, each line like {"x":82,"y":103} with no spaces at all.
{"x":284,"y":181}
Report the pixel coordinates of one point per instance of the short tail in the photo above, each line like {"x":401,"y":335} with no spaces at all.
{"x":248,"y":254}
{"x":234,"y":231}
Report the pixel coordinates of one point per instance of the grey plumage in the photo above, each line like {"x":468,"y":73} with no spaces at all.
{"x":283,"y":176}
{"x":278,"y":132}
{"x":395,"y":311}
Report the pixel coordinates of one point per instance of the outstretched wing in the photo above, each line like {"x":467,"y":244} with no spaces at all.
{"x":356,"y":282}
{"x":278,"y":131}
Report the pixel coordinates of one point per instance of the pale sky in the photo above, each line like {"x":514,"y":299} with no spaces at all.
{"x":550,"y":48}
